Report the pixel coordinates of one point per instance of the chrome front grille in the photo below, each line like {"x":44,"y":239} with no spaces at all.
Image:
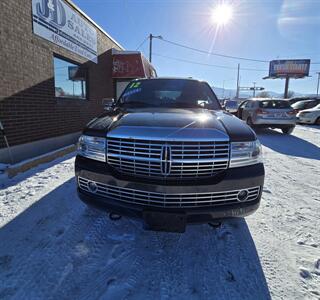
{"x":140,"y":197}
{"x":172,"y":160}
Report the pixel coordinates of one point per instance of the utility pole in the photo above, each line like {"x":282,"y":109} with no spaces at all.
{"x":151,"y":36}
{"x":286,"y":88}
{"x":318,"y":83}
{"x":223,"y":89}
{"x":150,"y":47}
{"x":254,"y":89}
{"x":238,"y":76}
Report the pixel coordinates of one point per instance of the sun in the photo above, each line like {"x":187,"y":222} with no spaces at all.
{"x":222,"y":14}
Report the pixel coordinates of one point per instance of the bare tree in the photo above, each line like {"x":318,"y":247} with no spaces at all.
{"x":290,"y":94}
{"x":264,"y":94}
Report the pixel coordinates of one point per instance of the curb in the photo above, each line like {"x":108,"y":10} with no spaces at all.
{"x":23,"y":166}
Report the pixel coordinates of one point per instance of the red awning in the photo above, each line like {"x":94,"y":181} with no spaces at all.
{"x":131,"y":65}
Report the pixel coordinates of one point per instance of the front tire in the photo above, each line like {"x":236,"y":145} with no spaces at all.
{"x":288,"y":130}
{"x":317,"y":121}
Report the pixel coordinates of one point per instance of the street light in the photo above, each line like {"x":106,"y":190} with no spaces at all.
{"x":151,"y":36}
{"x":254,"y":89}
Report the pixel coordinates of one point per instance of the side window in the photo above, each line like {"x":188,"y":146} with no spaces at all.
{"x":248,"y":104}
{"x":70,"y":80}
{"x":310,"y":104}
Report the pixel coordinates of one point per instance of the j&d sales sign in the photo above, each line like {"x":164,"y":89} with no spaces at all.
{"x":58,"y":23}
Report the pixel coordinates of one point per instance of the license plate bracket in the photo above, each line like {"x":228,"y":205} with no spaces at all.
{"x":163,"y":221}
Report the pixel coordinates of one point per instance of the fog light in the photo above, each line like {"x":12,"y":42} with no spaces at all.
{"x":92,"y":187}
{"x":242,"y":195}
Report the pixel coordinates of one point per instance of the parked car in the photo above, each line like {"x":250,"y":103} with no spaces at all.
{"x":305,"y":104}
{"x":310,"y":116}
{"x":165,"y":152}
{"x":298,"y":99}
{"x":272,"y":113}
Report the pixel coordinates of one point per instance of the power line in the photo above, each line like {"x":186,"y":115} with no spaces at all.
{"x":213,"y":53}
{"x":219,"y":54}
{"x":142,"y":42}
{"x":208,"y":65}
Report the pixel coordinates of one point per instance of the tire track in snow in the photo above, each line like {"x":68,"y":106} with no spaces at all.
{"x":48,"y":261}
{"x":288,"y":176}
{"x":169,"y":244}
{"x":103,"y":272}
{"x":226,"y":252}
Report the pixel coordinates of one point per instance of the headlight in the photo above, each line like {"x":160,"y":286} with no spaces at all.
{"x":92,"y":147}
{"x":245,"y":154}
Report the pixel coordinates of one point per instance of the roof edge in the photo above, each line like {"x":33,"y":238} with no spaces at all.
{"x":124,"y":52}
{"x":94,"y":23}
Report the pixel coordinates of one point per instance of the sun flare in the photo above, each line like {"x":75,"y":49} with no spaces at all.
{"x":222,"y":14}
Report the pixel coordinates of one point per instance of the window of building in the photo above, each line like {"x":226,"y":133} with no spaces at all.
{"x":70,"y":80}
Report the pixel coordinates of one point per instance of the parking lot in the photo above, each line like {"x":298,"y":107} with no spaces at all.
{"x":53,"y":247}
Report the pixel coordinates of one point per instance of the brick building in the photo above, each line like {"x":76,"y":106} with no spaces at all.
{"x":55,"y":71}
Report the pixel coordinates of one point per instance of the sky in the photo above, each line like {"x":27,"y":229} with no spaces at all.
{"x":259,"y":29}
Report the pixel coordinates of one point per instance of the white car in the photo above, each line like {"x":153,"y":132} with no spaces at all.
{"x":310,"y":116}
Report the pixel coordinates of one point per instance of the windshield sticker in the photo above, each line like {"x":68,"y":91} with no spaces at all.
{"x":134,"y":85}
{"x":131,"y":92}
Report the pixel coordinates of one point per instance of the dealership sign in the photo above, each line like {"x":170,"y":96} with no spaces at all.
{"x":57,"y":22}
{"x":291,"y":68}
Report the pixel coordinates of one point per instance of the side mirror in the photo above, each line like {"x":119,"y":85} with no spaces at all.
{"x":108,"y":104}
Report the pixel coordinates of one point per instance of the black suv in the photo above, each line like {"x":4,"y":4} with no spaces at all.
{"x":166,"y":152}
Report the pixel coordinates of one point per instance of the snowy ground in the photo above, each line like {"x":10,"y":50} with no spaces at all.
{"x":53,"y":247}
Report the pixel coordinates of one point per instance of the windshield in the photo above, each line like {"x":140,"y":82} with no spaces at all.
{"x":182,"y":93}
{"x":274,"y":104}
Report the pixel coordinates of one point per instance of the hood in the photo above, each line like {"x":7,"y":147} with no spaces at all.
{"x":163,"y":123}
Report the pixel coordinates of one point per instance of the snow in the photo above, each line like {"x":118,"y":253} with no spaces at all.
{"x":54,"y":247}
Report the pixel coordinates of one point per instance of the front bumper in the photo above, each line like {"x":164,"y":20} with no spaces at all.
{"x":306,"y":120}
{"x":233,"y":179}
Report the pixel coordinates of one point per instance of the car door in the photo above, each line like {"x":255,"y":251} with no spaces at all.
{"x":241,"y":109}
{"x":247,"y":110}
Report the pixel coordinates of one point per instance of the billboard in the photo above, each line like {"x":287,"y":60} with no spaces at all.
{"x":291,"y":68}
{"x":58,"y":23}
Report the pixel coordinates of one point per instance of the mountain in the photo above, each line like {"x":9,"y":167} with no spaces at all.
{"x":231,"y":93}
